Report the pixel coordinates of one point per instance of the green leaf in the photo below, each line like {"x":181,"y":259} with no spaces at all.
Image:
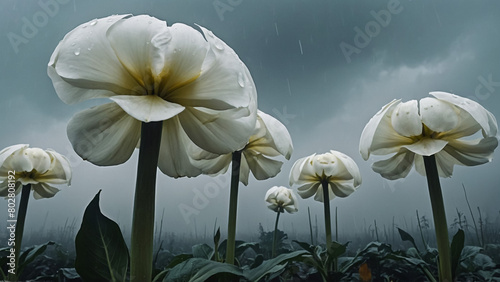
{"x":30,"y":255}
{"x":202,"y":251}
{"x":272,"y":265}
{"x":101,"y":252}
{"x":457,"y":245}
{"x":198,"y":269}
{"x":407,"y":237}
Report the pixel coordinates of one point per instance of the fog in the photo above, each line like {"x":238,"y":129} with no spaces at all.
{"x":323,"y":68}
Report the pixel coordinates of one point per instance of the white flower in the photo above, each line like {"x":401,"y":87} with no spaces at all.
{"x":194,"y":83}
{"x":281,"y":198}
{"x":270,"y":139}
{"x":33,"y":166}
{"x":437,"y":128}
{"x":336,"y":169}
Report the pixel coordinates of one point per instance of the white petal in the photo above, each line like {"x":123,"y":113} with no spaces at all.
{"x":244,"y":170}
{"x":104,"y":135}
{"x":348,"y":169}
{"x":342,"y":189}
{"x":319,"y":194}
{"x":426,"y":146}
{"x":378,"y":136}
{"x":472,"y":152}
{"x":7,"y":152}
{"x":84,"y":66}
{"x":148,"y":107}
{"x":213,"y":166}
{"x":282,"y":141}
{"x":437,"y":115}
{"x":59,"y":171}
{"x":398,"y":166}
{"x":224,"y":82}
{"x":42,"y":190}
{"x":307,"y":190}
{"x":262,"y":167}
{"x":304,"y":171}
{"x":296,"y":170}
{"x":406,"y":120}
{"x":270,"y":196}
{"x":219,"y":132}
{"x":478,"y":112}
{"x":4,"y":188}
{"x":174,"y":159}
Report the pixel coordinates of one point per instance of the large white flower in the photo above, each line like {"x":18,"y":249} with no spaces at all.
{"x":270,"y":139}
{"x":435,"y":127}
{"x":194,"y":83}
{"x":281,"y":199}
{"x":34,"y":166}
{"x":336,"y":169}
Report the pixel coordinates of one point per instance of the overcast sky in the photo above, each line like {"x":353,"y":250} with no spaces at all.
{"x":313,"y":70}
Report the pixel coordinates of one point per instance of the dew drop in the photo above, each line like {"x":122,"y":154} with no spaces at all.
{"x":77,"y":52}
{"x":161,"y":39}
{"x":90,"y":47}
{"x":218,"y":45}
{"x":85,"y":26}
{"x":241,"y":79}
{"x":210,"y":33}
{"x":94,"y":22}
{"x":73,"y":44}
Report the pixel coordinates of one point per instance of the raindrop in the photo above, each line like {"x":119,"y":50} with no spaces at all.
{"x":300,"y":45}
{"x":94,"y":22}
{"x":85,"y":26}
{"x":90,"y":47}
{"x":77,"y":52}
{"x":210,"y":33}
{"x":218,"y":45}
{"x":161,"y":39}
{"x":276,"y":27}
{"x":241,"y":79}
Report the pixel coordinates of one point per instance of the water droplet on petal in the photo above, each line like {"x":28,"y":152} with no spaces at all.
{"x":77,"y":51}
{"x":94,"y":22}
{"x":90,"y":47}
{"x":218,"y":45}
{"x":85,"y":26}
{"x":161,"y":39}
{"x":210,"y":33}
{"x":241,"y":79}
{"x":73,"y":44}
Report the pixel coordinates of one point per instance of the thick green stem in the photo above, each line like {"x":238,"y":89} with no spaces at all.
{"x":233,"y":207}
{"x":275,"y":235}
{"x":328,"y":223}
{"x":439,"y":215}
{"x":21,"y":218}
{"x":141,"y":253}
{"x":310,"y":225}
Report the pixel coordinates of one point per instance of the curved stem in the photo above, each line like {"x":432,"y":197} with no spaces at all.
{"x":275,"y":235}
{"x":233,"y":207}
{"x":141,"y":252}
{"x":438,"y":212}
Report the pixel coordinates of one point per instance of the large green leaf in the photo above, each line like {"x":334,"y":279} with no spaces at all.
{"x":101,"y":252}
{"x":30,"y":255}
{"x":272,"y":265}
{"x":202,"y":251}
{"x":198,"y":269}
{"x":457,"y":245}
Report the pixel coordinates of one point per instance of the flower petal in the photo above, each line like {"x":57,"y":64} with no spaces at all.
{"x":42,"y":190}
{"x":7,"y":152}
{"x":224,"y":82}
{"x":341,"y":189}
{"x":472,"y":152}
{"x":104,"y":135}
{"x":4,"y":188}
{"x":319,"y":193}
{"x":478,"y":112}
{"x":262,"y":167}
{"x":59,"y":171}
{"x":406,"y":120}
{"x":84,"y":66}
{"x":295,"y":172}
{"x":212,"y":166}
{"x":175,"y":150}
{"x":437,"y":115}
{"x":378,"y":136}
{"x":244,"y":170}
{"x":348,"y":169}
{"x":218,"y":132}
{"x":398,"y":166}
{"x":307,"y":190}
{"x":148,"y":107}
{"x":426,"y":146}
{"x":282,"y":141}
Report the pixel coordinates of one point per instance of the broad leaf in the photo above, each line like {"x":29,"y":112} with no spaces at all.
{"x":202,"y":251}
{"x":457,"y":245}
{"x":198,"y":269}
{"x":272,"y":265}
{"x":407,"y":237}
{"x":101,"y":252}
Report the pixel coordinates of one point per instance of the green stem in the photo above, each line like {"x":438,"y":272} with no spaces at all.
{"x":21,"y":218}
{"x":439,"y":215}
{"x":275,"y":235}
{"x":141,"y":253}
{"x":310,"y":225}
{"x":233,"y":207}
{"x":328,"y":224}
